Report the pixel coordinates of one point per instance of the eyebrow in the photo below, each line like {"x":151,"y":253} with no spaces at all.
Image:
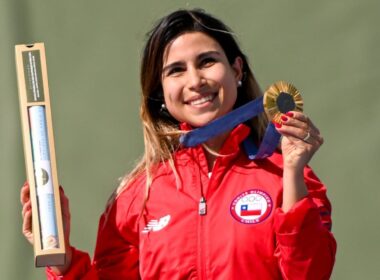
{"x":179,"y":63}
{"x":206,"y":54}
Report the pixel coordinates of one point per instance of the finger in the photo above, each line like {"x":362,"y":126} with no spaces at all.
{"x":303,"y":119}
{"x":296,"y":122}
{"x":27,"y":223}
{"x":65,"y":213}
{"x":300,"y":134}
{"x":309,"y":142}
{"x":292,"y":131}
{"x":298,"y":116}
{"x":25,"y":193}
{"x":63,"y":197}
{"x":300,"y":120}
{"x":313,"y":142}
{"x":313,"y":127}
{"x":312,"y":134}
{"x":64,"y":203}
{"x":26,"y":207}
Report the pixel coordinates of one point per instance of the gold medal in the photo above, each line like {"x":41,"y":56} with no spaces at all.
{"x":280,"y":98}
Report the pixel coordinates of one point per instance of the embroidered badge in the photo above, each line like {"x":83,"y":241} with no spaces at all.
{"x":251,"y":207}
{"x":156,"y":225}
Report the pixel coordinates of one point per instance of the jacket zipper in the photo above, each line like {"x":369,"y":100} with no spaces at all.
{"x":202,"y":211}
{"x":202,"y":207}
{"x":202,"y":259}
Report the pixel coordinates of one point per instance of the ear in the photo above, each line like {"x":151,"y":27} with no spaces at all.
{"x":237,"y":67}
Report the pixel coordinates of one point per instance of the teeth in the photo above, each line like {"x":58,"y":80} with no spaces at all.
{"x":202,"y":100}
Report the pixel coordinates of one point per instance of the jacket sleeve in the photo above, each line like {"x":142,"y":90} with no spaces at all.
{"x":116,"y":253}
{"x":80,"y":268}
{"x":305,"y":246}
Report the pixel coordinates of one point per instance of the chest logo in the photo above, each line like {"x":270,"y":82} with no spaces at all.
{"x":251,"y":207}
{"x":156,"y":225}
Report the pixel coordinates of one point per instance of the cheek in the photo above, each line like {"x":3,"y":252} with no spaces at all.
{"x":170,"y":91}
{"x":173,"y":98}
{"x":229,"y":95}
{"x":229,"y":85}
{"x":224,"y":76}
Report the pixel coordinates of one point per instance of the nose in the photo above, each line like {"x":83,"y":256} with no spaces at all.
{"x":195,"y":79}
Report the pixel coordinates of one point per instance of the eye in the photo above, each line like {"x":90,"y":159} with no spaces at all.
{"x":207,"y":61}
{"x":173,"y":71}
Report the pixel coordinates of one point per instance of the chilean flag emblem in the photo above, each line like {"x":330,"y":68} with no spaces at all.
{"x":251,"y":207}
{"x":244,"y":211}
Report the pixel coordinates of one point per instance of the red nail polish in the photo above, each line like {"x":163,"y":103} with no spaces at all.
{"x":278,"y":125}
{"x":283,"y":118}
{"x":289,"y":114}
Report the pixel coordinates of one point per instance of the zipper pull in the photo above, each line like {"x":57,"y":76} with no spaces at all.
{"x":202,"y":208}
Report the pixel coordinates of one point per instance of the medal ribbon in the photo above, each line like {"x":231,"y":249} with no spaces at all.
{"x":231,"y":120}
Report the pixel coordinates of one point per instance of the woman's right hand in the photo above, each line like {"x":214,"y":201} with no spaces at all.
{"x":27,"y":223}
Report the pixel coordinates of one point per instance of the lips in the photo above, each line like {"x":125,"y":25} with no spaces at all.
{"x":199,"y":100}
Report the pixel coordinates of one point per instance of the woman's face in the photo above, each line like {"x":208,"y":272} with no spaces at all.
{"x":198,"y":82}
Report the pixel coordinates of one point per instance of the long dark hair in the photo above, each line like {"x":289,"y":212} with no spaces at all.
{"x":160,"y":130}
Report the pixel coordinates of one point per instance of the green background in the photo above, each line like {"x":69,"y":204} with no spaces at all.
{"x":328,"y":49}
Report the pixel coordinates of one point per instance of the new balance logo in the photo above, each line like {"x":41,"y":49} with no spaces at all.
{"x":156,"y":225}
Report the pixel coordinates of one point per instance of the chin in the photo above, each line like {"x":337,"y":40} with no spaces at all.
{"x":201,"y":121}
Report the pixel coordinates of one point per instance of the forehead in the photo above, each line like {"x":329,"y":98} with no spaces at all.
{"x":189,"y":45}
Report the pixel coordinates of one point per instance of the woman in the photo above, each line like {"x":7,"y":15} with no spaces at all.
{"x":207,"y":212}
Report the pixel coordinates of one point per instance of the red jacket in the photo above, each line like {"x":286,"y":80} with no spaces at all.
{"x":243,"y":235}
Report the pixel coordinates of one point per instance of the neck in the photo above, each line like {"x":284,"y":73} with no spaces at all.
{"x":214,"y":144}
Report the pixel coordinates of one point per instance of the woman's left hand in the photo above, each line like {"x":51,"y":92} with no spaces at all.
{"x":301,"y":139}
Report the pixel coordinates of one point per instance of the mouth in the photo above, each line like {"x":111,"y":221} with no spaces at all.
{"x":200,"y":100}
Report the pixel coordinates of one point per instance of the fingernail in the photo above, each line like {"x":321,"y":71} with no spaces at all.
{"x":283,"y":118}
{"x":278,"y":125}
{"x":289,"y":114}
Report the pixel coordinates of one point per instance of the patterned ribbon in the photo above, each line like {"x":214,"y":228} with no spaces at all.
{"x":231,"y":120}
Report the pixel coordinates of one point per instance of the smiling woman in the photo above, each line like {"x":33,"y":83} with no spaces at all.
{"x":198,"y":82}
{"x":196,"y":213}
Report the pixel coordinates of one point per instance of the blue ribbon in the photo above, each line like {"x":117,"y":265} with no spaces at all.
{"x":231,"y":120}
